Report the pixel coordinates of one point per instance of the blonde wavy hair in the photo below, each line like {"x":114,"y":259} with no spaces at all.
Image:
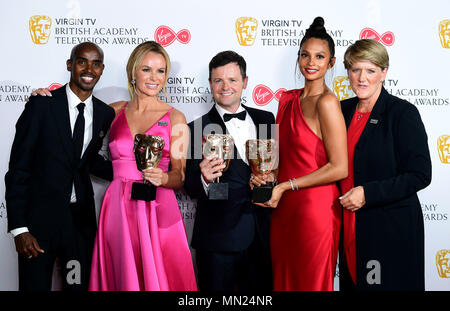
{"x":136,"y":58}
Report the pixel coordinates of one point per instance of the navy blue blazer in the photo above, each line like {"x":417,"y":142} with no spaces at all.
{"x":42,"y":167}
{"x":392,"y":162}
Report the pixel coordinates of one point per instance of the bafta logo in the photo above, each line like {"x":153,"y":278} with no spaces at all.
{"x":341,"y":87}
{"x":443,"y":263}
{"x":222,"y":147}
{"x":444,"y":33}
{"x":246,"y":28}
{"x":148,"y":153}
{"x":40,"y":27}
{"x":262,"y":155}
{"x":443,"y":145}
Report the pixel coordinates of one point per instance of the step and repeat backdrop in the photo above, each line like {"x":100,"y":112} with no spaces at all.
{"x":38,"y":36}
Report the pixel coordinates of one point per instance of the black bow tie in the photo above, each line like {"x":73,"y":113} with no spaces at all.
{"x":241,"y":116}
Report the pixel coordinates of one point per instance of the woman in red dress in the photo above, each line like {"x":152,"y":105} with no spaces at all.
{"x":313,"y":156}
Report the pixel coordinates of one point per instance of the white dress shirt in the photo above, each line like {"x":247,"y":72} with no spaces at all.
{"x":73,"y":101}
{"x":240,"y":130}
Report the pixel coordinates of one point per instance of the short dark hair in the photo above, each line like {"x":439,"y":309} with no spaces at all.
{"x":226,"y":57}
{"x":76,"y":49}
{"x":317,"y":30}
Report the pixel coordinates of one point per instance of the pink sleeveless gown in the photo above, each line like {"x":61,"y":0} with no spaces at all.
{"x":139,"y":245}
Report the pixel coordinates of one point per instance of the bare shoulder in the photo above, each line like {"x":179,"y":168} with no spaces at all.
{"x":328,"y":102}
{"x":327,"y":99}
{"x":177,"y":117}
{"x":118,"y":106}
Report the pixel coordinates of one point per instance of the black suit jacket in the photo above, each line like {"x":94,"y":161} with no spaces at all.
{"x":226,"y":225}
{"x":392,"y":163}
{"x":42,"y":167}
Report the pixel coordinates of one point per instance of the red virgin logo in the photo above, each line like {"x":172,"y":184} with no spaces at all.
{"x":262,"y":95}
{"x":54,"y":86}
{"x":166,"y":36}
{"x":386,"y":38}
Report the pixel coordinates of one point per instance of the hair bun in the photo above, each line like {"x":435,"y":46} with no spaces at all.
{"x":317,"y":30}
{"x":317,"y":24}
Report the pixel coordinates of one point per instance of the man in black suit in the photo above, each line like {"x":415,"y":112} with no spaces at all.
{"x":49,"y":195}
{"x":231,"y":237}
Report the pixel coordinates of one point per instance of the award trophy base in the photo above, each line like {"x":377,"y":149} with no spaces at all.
{"x":218,"y":191}
{"x":143,"y":192}
{"x":262,"y":194}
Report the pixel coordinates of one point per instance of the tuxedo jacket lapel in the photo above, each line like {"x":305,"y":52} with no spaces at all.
{"x":215,"y":118}
{"x":257,"y":121}
{"x":62,"y":119}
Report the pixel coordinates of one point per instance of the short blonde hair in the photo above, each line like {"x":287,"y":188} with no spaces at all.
{"x":366,"y":50}
{"x":138,"y":55}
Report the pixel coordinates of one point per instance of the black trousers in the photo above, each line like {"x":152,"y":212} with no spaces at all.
{"x":247,"y":270}
{"x":72,"y":244}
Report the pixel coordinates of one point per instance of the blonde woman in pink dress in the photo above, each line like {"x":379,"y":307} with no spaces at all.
{"x":142,"y":245}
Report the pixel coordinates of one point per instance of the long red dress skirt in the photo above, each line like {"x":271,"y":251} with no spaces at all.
{"x":305,"y":225}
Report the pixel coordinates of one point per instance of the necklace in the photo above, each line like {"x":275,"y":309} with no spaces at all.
{"x":360,"y":115}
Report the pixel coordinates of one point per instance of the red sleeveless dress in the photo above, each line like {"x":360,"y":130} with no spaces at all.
{"x":305,"y":225}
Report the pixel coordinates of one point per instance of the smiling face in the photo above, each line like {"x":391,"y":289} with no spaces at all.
{"x":86,"y":67}
{"x":314,"y":59}
{"x":227,"y":84}
{"x":366,"y":80}
{"x":151,"y":74}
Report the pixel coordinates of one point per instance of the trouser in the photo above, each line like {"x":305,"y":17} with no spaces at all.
{"x":249,"y":269}
{"x":72,"y":244}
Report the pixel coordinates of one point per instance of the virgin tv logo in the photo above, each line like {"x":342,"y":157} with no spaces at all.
{"x":386,"y":38}
{"x":165,"y":36}
{"x":54,"y":86}
{"x":262,"y":94}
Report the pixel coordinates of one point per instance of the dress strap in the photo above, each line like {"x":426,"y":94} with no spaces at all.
{"x":167,"y":114}
{"x":122,"y":110}
{"x":123,"y":107}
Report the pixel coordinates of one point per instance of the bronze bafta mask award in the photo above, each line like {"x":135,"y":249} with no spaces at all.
{"x":263,"y":159}
{"x":148,"y":152}
{"x":221,"y":145}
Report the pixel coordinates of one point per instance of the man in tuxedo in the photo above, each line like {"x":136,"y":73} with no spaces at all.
{"x":49,"y":195}
{"x":231,"y":237}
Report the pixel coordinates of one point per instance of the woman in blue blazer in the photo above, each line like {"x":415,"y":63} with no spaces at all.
{"x":389,"y":162}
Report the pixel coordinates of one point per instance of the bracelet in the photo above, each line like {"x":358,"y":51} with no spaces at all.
{"x":296,"y":185}
{"x":292,"y":185}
